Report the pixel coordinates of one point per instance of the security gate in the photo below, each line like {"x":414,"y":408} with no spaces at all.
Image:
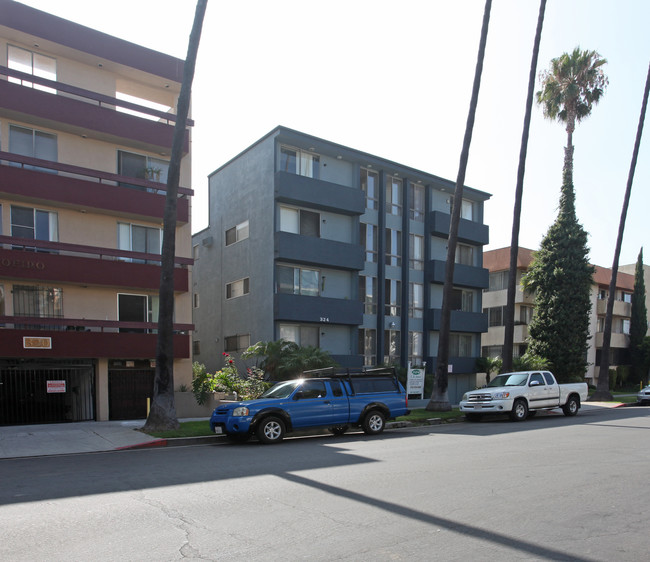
{"x":46,"y":391}
{"x":128,"y":390}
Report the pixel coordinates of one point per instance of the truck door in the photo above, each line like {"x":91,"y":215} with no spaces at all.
{"x":539,"y":392}
{"x":312,"y":405}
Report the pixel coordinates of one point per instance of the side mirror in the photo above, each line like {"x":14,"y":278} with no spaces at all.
{"x":534,"y":383}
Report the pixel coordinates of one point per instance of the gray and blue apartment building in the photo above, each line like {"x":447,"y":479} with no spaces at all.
{"x":332,"y":247}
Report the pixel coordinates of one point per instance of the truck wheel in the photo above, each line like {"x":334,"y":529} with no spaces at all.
{"x":572,"y":406}
{"x":338,"y":430}
{"x":270,"y":430}
{"x":519,"y":411}
{"x":473,"y":417}
{"x":373,"y":423}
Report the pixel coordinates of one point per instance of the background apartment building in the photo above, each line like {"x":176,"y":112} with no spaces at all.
{"x":327,"y":246}
{"x":495,"y":297}
{"x":83,"y":163}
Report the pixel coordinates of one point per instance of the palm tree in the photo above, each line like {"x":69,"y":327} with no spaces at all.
{"x":162,"y":415}
{"x":602,"y":390}
{"x":439,"y":401}
{"x":509,"y":328}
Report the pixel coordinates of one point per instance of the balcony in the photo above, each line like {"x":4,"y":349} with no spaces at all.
{"x":621,"y":308}
{"x":616,"y":340}
{"x":86,"y":189}
{"x":84,"y":112}
{"x":56,"y":262}
{"x":318,"y":194}
{"x":469,"y":232}
{"x":310,"y":250}
{"x":496,"y":335}
{"x":76,"y":338}
{"x":464,"y":275}
{"x":299,"y":308}
{"x":469,"y":322}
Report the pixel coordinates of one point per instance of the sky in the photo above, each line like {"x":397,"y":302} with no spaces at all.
{"x":394,"y":79}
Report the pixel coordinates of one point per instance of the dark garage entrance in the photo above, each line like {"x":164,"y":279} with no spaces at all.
{"x":128,"y":390}
{"x":46,"y":391}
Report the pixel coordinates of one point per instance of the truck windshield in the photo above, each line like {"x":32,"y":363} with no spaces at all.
{"x":510,"y":379}
{"x":281,"y":389}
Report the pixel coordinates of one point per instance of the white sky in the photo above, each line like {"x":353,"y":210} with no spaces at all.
{"x":394,"y":79}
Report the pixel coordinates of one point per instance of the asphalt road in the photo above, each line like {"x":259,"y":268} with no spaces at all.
{"x":550,"y":488}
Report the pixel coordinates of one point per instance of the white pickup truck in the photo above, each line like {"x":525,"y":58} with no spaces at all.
{"x":521,"y":394}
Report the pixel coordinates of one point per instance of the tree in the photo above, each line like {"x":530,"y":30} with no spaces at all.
{"x":560,"y":274}
{"x":162,"y":415}
{"x":509,"y":329}
{"x":283,"y":359}
{"x":602,"y":390}
{"x":439,"y":398}
{"x":638,"y":322}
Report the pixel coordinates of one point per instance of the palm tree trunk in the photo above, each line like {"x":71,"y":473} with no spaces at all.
{"x":508,"y":340}
{"x":162,"y":415}
{"x":439,"y":398}
{"x":602,"y":389}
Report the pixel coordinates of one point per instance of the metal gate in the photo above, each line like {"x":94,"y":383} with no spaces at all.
{"x":128,"y":390}
{"x":46,"y":392}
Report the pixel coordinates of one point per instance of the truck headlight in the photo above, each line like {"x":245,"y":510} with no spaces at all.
{"x":464,"y":397}
{"x":240,"y":411}
{"x":500,"y":395}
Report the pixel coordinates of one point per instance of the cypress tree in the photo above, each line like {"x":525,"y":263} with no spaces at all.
{"x":638,"y":322}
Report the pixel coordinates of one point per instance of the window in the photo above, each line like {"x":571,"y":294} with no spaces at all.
{"x":538,"y":378}
{"x":415,"y":348}
{"x":299,"y":221}
{"x":626,"y":297}
{"x":137,"y":308}
{"x":196,"y":347}
{"x":601,"y":324}
{"x":393,"y":196}
{"x":492,"y":351}
{"x":416,"y":300}
{"x":460,"y":345}
{"x":31,"y":63}
{"x":298,"y":281}
{"x":462,"y":299}
{"x":393,"y":297}
{"x":34,"y":224}
{"x":312,"y":389}
{"x":33,"y":143}
{"x":237,"y":288}
{"x":368,"y":346}
{"x":370,"y":186}
{"x":137,"y":238}
{"x":392,"y":349}
{"x":196,"y":252}
{"x":602,"y":295}
{"x":393,"y":247}
{"x":369,"y":238}
{"x":196,"y":300}
{"x":416,"y":197}
{"x":495,"y":316}
{"x":237,"y":233}
{"x":337,"y":388}
{"x":143,"y":167}
{"x":498,"y":281}
{"x":416,"y":252}
{"x":368,"y":293}
{"x":526,"y":314}
{"x":300,"y":162}
{"x":467,"y":210}
{"x":465,"y":255}
{"x":41,"y":302}
{"x":237,"y":343}
{"x":304,"y":336}
{"x":625,"y":326}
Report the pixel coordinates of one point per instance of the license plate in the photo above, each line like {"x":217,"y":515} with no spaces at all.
{"x":218,"y":430}
{"x":477,"y":406}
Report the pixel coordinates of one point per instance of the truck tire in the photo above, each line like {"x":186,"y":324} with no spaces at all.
{"x":338,"y":430}
{"x":473,"y":417}
{"x":572,"y":406}
{"x":519,"y":410}
{"x":270,"y":430}
{"x":373,"y":422}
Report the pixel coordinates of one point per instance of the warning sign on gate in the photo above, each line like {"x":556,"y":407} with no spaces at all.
{"x":55,"y":386}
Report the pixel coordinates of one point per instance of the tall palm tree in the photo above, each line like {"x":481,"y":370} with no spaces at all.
{"x":162,"y":415}
{"x":439,"y":401}
{"x":508,"y":339}
{"x":602,"y":390}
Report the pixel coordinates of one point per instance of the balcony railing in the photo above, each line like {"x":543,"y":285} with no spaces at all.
{"x":88,"y":173}
{"x":99,"y":99}
{"x":84,"y":325}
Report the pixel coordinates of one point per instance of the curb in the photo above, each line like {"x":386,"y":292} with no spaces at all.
{"x":171,"y":442}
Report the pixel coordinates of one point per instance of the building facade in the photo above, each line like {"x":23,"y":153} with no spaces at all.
{"x":328,"y":246}
{"x":86,"y":126}
{"x":495,"y":298}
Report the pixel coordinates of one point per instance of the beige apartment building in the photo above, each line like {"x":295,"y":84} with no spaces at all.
{"x":497,"y":262}
{"x":86,"y":127}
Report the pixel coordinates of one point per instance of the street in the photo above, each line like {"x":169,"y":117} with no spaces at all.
{"x":549,"y":488}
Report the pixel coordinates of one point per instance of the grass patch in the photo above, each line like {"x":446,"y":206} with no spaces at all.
{"x":421,"y":415}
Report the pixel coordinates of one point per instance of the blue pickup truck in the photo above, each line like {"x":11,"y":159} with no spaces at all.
{"x":327,"y":398}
